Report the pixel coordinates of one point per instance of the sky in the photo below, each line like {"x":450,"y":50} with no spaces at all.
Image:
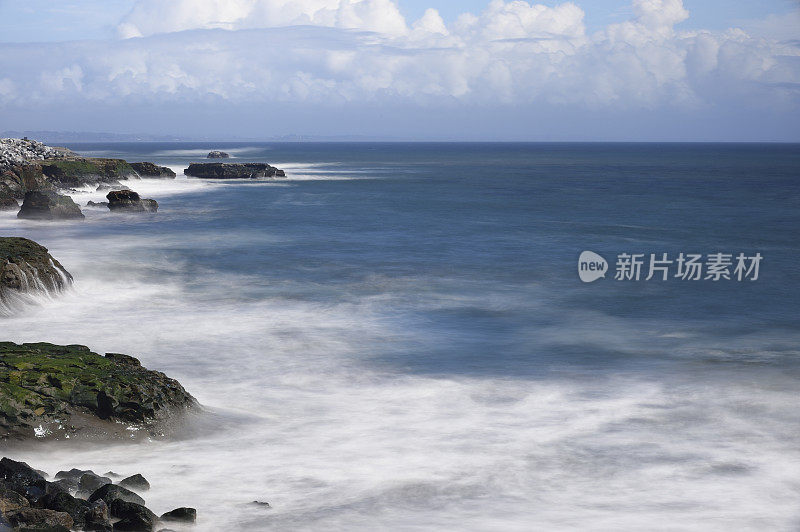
{"x":608,"y":70}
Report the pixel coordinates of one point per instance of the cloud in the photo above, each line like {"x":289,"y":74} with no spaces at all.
{"x":150,"y":17}
{"x":352,"y":54}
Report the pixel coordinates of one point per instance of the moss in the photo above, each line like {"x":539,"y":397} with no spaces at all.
{"x":42,"y":380}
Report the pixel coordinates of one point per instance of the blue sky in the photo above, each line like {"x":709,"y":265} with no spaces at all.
{"x":515,"y":70}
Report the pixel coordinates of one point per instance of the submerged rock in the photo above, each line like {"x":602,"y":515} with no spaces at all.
{"x":97,"y":204}
{"x":53,"y":391}
{"x":151,"y":170}
{"x":233,"y":170}
{"x":26,"y":267}
{"x":48,"y":205}
{"x":129,"y":201}
{"x":217,"y":155}
{"x":116,"y":185}
{"x":182,"y":515}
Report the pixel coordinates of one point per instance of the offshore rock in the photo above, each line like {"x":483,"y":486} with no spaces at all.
{"x":48,"y":205}
{"x":233,"y":170}
{"x":129,"y":201}
{"x":216,"y":154}
{"x":78,"y":172}
{"x":151,"y":170}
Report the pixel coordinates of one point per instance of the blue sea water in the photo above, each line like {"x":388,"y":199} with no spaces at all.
{"x":396,"y":337}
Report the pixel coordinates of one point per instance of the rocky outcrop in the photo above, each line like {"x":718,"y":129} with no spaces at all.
{"x":28,"y":501}
{"x":151,"y":170}
{"x":26,"y":268}
{"x":129,"y":201}
{"x":52,"y":391}
{"x":48,"y":205}
{"x":217,"y":155}
{"x":80,"y":172}
{"x":233,"y":170}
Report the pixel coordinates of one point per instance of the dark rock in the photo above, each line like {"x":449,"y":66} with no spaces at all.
{"x":71,"y":390}
{"x":20,"y":477}
{"x":98,"y":517}
{"x":217,"y":155}
{"x":135,"y":482}
{"x":48,"y":205}
{"x":72,"y":474}
{"x":89,"y":482}
{"x":110,"y":493}
{"x":67,"y":484}
{"x":97,"y":204}
{"x":8,"y":203}
{"x":232,"y":170}
{"x":184,"y":515}
{"x":152,"y":170}
{"x":40,"y":519}
{"x":129,"y":201}
{"x":132,"y":516}
{"x":64,"y":502}
{"x":261,"y":504}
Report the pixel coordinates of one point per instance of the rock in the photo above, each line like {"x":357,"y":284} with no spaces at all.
{"x":232,"y":170}
{"x":61,"y":501}
{"x":110,"y":493}
{"x":72,"y":474}
{"x":69,"y":390}
{"x":132,"y":516}
{"x":184,"y":515}
{"x":98,"y":517}
{"x":89,"y":482}
{"x":48,"y":205}
{"x":135,"y":482}
{"x":217,"y":155}
{"x":40,"y":519}
{"x":11,"y":500}
{"x":19,"y":151}
{"x":152,"y":170}
{"x":129,"y":201}
{"x":8,"y":203}
{"x":111,"y":474}
{"x":261,"y":504}
{"x":20,"y":477}
{"x":97,"y":204}
{"x":26,"y":267}
{"x":83,"y":171}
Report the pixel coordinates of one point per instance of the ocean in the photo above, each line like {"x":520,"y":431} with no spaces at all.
{"x":396,"y":336}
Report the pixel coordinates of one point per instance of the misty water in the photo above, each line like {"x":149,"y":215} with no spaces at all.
{"x":395,"y":337}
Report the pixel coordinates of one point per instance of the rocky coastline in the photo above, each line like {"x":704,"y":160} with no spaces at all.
{"x":51,"y":393}
{"x":78,"y":500}
{"x":35,"y":179}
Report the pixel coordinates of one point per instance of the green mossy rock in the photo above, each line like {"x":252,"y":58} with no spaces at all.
{"x":52,"y":391}
{"x":83,"y":171}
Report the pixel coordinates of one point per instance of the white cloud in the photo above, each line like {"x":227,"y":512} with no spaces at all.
{"x":512,"y":53}
{"x":150,"y":17}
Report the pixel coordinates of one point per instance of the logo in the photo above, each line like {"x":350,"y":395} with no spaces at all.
{"x":591,"y":267}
